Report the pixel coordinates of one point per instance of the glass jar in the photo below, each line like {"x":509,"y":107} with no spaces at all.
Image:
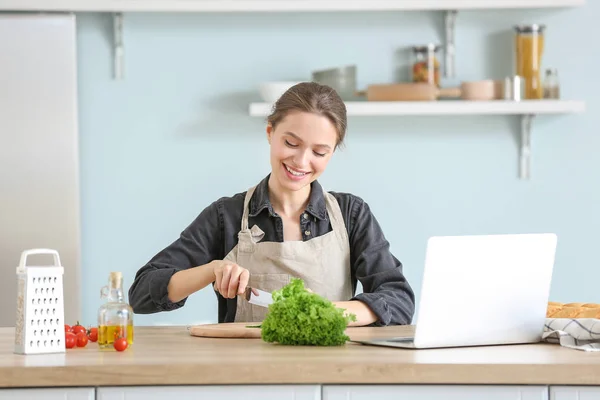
{"x":529,"y":48}
{"x":551,"y":84}
{"x":115,"y":317}
{"x":425,"y":64}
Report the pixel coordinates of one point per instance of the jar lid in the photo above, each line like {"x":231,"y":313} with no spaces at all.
{"x":425,"y":48}
{"x":533,"y":28}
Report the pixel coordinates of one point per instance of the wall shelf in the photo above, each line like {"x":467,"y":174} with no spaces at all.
{"x":448,"y":107}
{"x":273,"y":5}
{"x":450,"y":9}
{"x":526,"y":110}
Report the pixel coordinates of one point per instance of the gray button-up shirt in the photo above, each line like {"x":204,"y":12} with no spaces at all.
{"x":213,"y":234}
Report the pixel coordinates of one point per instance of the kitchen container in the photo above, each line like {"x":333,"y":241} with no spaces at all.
{"x":484,"y":90}
{"x":425,"y":64}
{"x":272,"y":91}
{"x":529,"y":47}
{"x":39,"y":326}
{"x":514,"y":88}
{"x":342,"y":79}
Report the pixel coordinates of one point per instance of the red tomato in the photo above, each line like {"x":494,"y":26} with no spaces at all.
{"x":67,"y":328}
{"x":119,"y":333}
{"x":70,"y":340}
{"x":120,"y":344}
{"x":82,"y":339}
{"x":77,"y":328}
{"x":93,"y":334}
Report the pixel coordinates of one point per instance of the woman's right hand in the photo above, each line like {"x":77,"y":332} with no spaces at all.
{"x":230,"y":278}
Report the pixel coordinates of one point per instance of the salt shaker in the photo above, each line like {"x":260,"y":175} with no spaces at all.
{"x":551,"y":84}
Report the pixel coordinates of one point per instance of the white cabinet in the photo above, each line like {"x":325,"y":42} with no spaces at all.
{"x":230,"y":392}
{"x":310,"y":392}
{"x":48,"y":394}
{"x":574,"y":392}
{"x":434,"y":392}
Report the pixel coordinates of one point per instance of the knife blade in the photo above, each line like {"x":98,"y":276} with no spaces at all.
{"x":262,"y":298}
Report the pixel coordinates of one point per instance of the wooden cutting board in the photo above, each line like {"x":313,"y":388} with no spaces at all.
{"x":227,"y":330}
{"x":240,"y":330}
{"x":409,"y":92}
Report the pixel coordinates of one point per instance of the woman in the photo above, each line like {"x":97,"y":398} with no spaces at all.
{"x":286,"y":226}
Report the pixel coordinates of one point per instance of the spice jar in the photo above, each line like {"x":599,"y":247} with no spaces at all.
{"x":551,"y":84}
{"x":425,"y":64}
{"x":529,"y":47}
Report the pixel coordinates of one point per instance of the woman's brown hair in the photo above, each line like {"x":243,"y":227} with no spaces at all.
{"x":314,"y":98}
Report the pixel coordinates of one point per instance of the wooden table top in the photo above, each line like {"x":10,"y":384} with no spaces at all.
{"x":171,"y":356}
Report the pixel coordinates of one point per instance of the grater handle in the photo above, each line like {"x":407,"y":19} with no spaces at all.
{"x":26,"y":253}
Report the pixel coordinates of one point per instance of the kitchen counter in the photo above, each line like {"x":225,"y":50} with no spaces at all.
{"x":170,"y":356}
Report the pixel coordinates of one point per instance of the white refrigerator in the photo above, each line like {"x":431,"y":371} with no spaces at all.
{"x":39,"y":154}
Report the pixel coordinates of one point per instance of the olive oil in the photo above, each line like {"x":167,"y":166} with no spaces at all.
{"x":108,"y":334}
{"x":115,"y":317}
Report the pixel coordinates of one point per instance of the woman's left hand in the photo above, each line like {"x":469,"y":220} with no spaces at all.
{"x":364,"y":315}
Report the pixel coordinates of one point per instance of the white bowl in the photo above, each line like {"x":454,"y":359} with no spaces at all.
{"x":272,"y":91}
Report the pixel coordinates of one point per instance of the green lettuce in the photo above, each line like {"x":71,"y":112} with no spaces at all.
{"x":300,"y":317}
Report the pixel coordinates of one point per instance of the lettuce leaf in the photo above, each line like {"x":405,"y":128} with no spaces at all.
{"x":299,"y":317}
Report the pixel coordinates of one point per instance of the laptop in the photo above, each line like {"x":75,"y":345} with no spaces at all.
{"x":482,"y":290}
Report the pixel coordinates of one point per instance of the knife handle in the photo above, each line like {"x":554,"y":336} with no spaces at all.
{"x":248,"y":292}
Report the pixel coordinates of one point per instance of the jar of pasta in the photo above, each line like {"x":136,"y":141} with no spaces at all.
{"x":529,"y":49}
{"x":425,"y":64}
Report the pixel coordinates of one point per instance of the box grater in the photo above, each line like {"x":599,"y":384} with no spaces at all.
{"x":40,"y":307}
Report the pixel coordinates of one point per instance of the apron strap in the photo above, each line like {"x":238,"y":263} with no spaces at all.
{"x":335,"y":214}
{"x":249,"y":194}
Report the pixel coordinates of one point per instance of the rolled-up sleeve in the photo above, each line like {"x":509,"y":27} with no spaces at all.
{"x":385,"y":289}
{"x":198,"y":244}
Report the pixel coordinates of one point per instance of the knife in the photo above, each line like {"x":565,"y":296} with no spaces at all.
{"x":258,"y":297}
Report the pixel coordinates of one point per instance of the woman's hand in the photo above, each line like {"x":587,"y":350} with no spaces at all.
{"x":230,"y":278}
{"x":364,"y":315}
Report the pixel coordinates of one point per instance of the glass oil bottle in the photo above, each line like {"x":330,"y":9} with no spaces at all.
{"x":115,"y":317}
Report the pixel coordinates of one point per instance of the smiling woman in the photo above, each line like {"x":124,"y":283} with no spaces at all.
{"x":286,"y":226}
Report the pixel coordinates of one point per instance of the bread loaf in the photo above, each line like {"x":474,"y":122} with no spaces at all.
{"x":573,"y":310}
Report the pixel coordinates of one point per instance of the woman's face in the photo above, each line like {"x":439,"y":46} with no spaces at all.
{"x":301,"y":146}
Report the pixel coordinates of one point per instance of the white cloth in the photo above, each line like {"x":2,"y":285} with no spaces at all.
{"x":575,"y":333}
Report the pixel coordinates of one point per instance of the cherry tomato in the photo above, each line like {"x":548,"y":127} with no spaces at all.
{"x":93,"y":334}
{"x":67,"y":328}
{"x":120,"y":344}
{"x":77,"y":328}
{"x":70,"y":340}
{"x":82,"y":339}
{"x":119,"y":333}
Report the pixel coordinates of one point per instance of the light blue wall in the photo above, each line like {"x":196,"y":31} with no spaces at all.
{"x":174,"y":135}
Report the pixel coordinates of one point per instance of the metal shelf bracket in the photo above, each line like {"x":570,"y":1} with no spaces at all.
{"x":118,"y":51}
{"x":449,"y":48}
{"x":525,"y":150}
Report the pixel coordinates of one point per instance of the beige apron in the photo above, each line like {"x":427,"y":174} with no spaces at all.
{"x":323,"y":263}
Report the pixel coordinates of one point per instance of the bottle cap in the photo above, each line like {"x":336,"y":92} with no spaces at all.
{"x":116,"y":279}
